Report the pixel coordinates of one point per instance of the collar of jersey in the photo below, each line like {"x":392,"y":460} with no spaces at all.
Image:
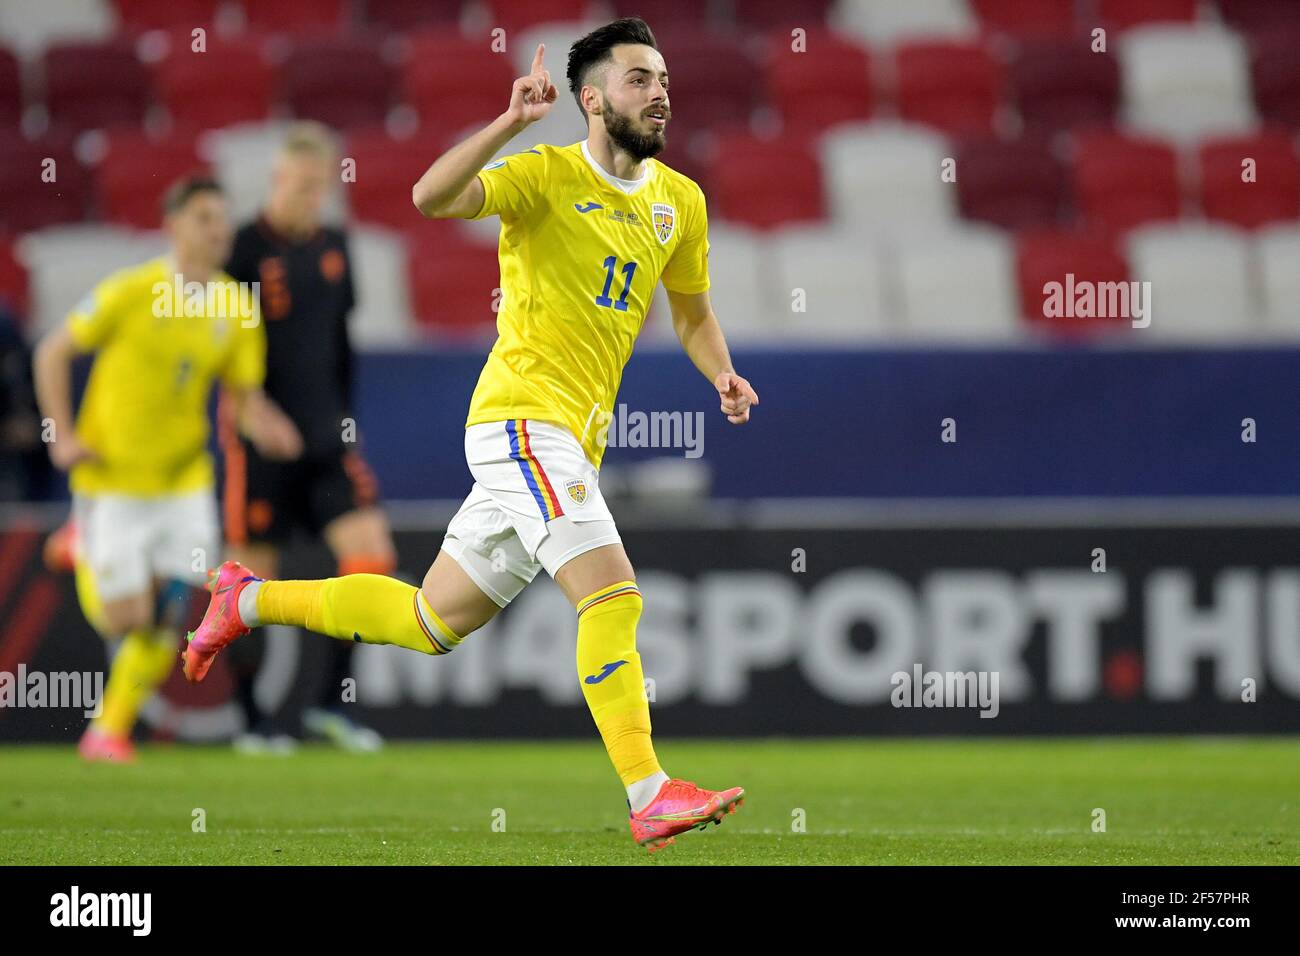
{"x":167,"y":262}
{"x":628,"y":186}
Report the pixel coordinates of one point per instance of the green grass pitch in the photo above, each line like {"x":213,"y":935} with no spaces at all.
{"x":1167,"y":801}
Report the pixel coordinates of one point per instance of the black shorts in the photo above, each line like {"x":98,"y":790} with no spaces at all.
{"x":264,"y":500}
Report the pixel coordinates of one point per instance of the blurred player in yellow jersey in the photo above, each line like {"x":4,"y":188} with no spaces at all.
{"x":141,"y":477}
{"x":587,"y":233}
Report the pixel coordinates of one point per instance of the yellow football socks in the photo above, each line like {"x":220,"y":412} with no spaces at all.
{"x":609,"y":669}
{"x":370,"y":608}
{"x":142,"y":663}
{"x":376,"y":609}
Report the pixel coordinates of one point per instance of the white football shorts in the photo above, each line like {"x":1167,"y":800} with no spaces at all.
{"x":535,"y":504}
{"x":128,"y":542}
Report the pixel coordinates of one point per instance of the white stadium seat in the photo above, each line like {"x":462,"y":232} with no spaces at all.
{"x":1277,"y":255}
{"x":383,"y":316}
{"x":1200,"y":281}
{"x":886,"y":176}
{"x":838,"y":279}
{"x":738,"y":288}
{"x":738,"y":277}
{"x":29,"y":26}
{"x":957,"y":285}
{"x":889,"y":21}
{"x":1186,"y":82}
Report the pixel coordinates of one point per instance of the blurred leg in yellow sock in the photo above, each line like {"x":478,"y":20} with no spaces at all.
{"x":141,"y":664}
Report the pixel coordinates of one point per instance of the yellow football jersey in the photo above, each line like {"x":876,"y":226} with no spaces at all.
{"x":145,"y":409}
{"x":581,"y":256}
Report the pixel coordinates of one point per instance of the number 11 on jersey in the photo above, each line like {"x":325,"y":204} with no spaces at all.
{"x":628,"y":270}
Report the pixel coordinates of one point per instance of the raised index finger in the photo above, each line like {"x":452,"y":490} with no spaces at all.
{"x":537,"y":58}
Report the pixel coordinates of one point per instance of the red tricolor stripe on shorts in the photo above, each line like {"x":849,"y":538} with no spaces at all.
{"x":521,"y":450}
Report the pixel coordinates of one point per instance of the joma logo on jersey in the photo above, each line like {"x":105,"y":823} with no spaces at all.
{"x":665,"y":217}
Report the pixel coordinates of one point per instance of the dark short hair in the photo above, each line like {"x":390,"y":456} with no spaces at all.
{"x":186,"y":188}
{"x":594,"y":49}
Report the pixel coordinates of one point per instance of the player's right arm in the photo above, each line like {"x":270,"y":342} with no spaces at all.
{"x":451,"y":189}
{"x":52,"y":375}
{"x":91,"y":324}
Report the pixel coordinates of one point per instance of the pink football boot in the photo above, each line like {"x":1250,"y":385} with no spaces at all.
{"x":96,"y":745}
{"x":221,"y":623}
{"x":680,"y":806}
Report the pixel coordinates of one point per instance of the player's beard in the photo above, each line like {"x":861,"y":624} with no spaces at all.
{"x":623,"y":132}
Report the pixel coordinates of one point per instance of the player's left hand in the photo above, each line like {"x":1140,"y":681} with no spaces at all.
{"x":271,"y":431}
{"x":737,"y":395}
{"x":279,"y":439}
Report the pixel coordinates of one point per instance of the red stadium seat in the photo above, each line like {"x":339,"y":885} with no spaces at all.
{"x":1027,"y":19}
{"x":517,"y":15}
{"x":830,"y":83}
{"x":954,"y":86}
{"x":1275,"y":76}
{"x":295,"y":17}
{"x":453,"y":283}
{"x":137,"y":16}
{"x":664,"y":14}
{"x":1273,"y":196}
{"x":1044,"y":256}
{"x":765,"y":183}
{"x":343,"y":83}
{"x":1013,"y":185}
{"x":453,"y":82}
{"x":11,"y":91}
{"x":1122,"y":182}
{"x":135,"y":173}
{"x":27,"y":201}
{"x":776,"y":14}
{"x":95,"y":86}
{"x":1058,"y":85}
{"x":13,"y":278}
{"x":403,"y":15}
{"x":1248,"y":15}
{"x":229,"y":83}
{"x":712,"y":77}
{"x":386,"y":170}
{"x":1122,"y":14}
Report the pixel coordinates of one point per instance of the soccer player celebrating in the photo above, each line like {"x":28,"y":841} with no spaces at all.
{"x":140,"y":474}
{"x":587,"y":232}
{"x":306,"y":295}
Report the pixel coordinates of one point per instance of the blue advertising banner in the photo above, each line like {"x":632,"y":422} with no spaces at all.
{"x":942,"y":423}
